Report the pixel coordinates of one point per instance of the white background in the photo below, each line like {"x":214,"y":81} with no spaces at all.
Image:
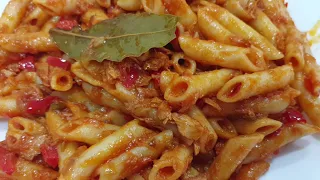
{"x":299,"y":160}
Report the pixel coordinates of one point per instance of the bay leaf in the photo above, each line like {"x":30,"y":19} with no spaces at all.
{"x":128,"y":35}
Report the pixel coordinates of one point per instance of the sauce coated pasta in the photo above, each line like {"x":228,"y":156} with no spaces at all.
{"x":152,"y":89}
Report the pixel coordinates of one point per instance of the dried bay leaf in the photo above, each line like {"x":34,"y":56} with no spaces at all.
{"x":128,"y":35}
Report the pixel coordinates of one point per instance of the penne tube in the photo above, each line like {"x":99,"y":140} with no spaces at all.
{"x":65,"y":151}
{"x":9,"y":106}
{"x":288,"y":133}
{"x":61,"y":80}
{"x":51,"y":23}
{"x":183,"y":64}
{"x":181,"y":9}
{"x":30,"y":170}
{"x":172,"y":164}
{"x":153,"y":6}
{"x":129,"y":5}
{"x":186,"y":90}
{"x":13,"y":15}
{"x":243,"y":9}
{"x":37,"y":17}
{"x":137,"y":158}
{"x":240,"y":28}
{"x":166,"y":78}
{"x":265,"y":27}
{"x":104,"y":3}
{"x":309,"y":102}
{"x":54,"y":121}
{"x":94,"y":16}
{"x":248,"y":85}
{"x":213,"y":30}
{"x":232,"y":154}
{"x":277,"y":12}
{"x":65,"y":7}
{"x":252,"y":171}
{"x":213,"y":53}
{"x":209,"y":137}
{"x":294,"y":49}
{"x":263,"y":126}
{"x":88,"y":131}
{"x":270,"y":103}
{"x":223,"y":127}
{"x":106,"y":149}
{"x":27,"y":43}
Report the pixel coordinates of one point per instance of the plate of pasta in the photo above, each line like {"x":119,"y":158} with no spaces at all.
{"x":159,"y":89}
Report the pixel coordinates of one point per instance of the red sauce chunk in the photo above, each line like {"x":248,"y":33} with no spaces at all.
{"x":8,"y":161}
{"x":66,"y":24}
{"x":58,"y":62}
{"x":293,"y":116}
{"x":310,"y":85}
{"x":175,"y":42}
{"x":129,"y":75}
{"x":27,"y":64}
{"x":41,"y":106}
{"x":50,"y":155}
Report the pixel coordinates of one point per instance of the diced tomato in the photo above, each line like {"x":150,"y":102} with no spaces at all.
{"x":129,"y":75}
{"x":27,"y":64}
{"x":286,"y":4}
{"x":50,"y":155}
{"x":8,"y":161}
{"x":58,"y":62}
{"x":293,"y":116}
{"x":41,"y":106}
{"x":175,"y":42}
{"x":66,"y":24}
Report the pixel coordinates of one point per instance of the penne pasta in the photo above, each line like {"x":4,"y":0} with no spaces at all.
{"x":263,"y":126}
{"x":265,"y":27}
{"x":89,"y":131}
{"x":183,"y":65}
{"x":85,"y":164}
{"x":153,"y":6}
{"x":212,"y":53}
{"x":243,"y":9}
{"x":248,"y":85}
{"x":137,"y":158}
{"x":288,"y":133}
{"x":185,"y":90}
{"x":270,"y":103}
{"x":13,"y":15}
{"x":294,"y":49}
{"x":66,"y":150}
{"x":232,"y":154}
{"x":236,"y":26}
{"x":253,"y":170}
{"x":213,"y":30}
{"x":37,"y":17}
{"x":61,"y":80}
{"x":172,"y":164}
{"x":130,"y":5}
{"x":65,"y":7}
{"x":223,"y":127}
{"x":181,"y":9}
{"x":34,"y":42}
{"x":94,"y":16}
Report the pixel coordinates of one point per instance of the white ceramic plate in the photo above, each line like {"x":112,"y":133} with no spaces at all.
{"x":299,"y":160}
